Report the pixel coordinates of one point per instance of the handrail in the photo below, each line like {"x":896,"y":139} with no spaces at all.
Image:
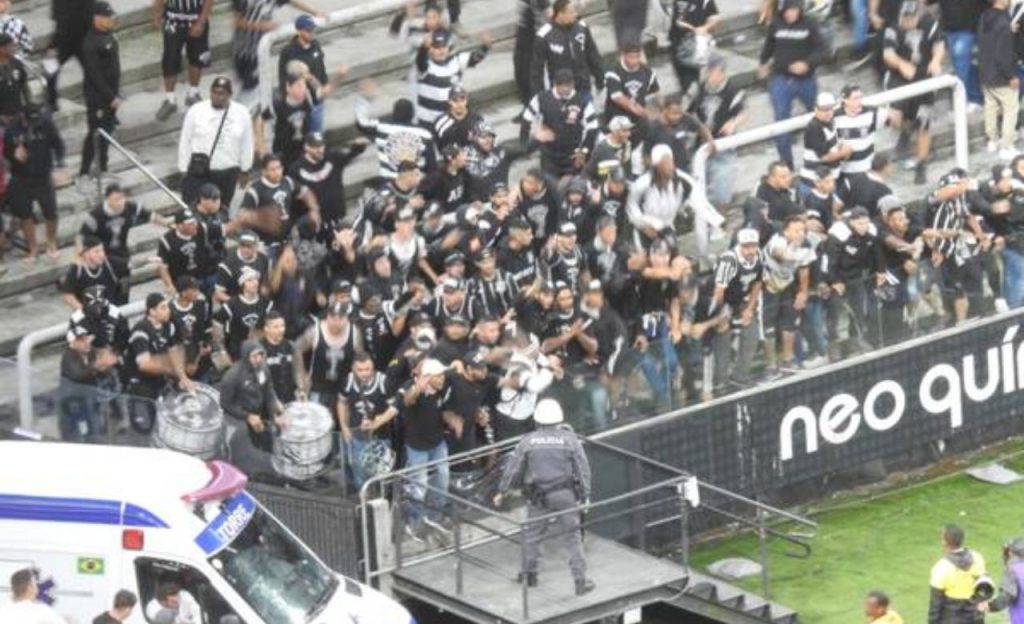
{"x":922,"y":87}
{"x":29,"y":342}
{"x":141,"y":167}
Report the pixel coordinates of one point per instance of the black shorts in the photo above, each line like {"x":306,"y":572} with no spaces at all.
{"x":779,"y":311}
{"x":23,"y":194}
{"x":197,"y":49}
{"x":918,"y":109}
{"x":963,"y":280}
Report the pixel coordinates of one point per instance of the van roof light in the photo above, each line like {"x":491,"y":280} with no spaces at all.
{"x":225,"y":481}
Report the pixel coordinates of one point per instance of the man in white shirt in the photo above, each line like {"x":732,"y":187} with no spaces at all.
{"x":216,"y":144}
{"x":173,"y":605}
{"x":23,"y":608}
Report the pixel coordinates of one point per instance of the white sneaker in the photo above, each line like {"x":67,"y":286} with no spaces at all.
{"x":992,"y":147}
{"x":816,"y":362}
{"x":1007,"y":153}
{"x":974,"y":107}
{"x":1001,"y":305}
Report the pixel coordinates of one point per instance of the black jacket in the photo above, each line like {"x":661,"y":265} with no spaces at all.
{"x":313,"y":57}
{"x":42,"y":142}
{"x":101,"y":60}
{"x":245,"y":390}
{"x":996,"y":60}
{"x":786,"y":44}
{"x":573,"y":47}
{"x":958,"y":15}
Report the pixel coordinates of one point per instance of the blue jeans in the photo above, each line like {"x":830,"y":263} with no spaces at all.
{"x":659,"y":379}
{"x":352,"y":452}
{"x":720,"y":177}
{"x":1013,"y":277}
{"x":783,"y":90}
{"x":859,"y":14}
{"x":425,"y":502}
{"x":316,"y":118}
{"x":961,"y":52}
{"x":813,"y":327}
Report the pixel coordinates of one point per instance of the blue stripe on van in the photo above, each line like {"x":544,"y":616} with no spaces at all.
{"x":82,"y":510}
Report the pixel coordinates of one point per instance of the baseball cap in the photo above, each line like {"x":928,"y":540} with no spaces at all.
{"x":456,"y":319}
{"x":748,"y":236}
{"x":209,"y":190}
{"x":484,"y":254}
{"x":406,"y":214}
{"x":339,"y":308}
{"x":792,"y":4}
{"x":567,"y":229}
{"x":183,"y":216}
{"x":247,"y":274}
{"x":859,"y":212}
{"x":660,"y":152}
{"x":594,"y":285}
{"x":716,"y":60}
{"x":441,"y":37}
{"x":104,"y":9}
{"x":518,"y":223}
{"x":547,"y":286}
{"x":431,"y":366}
{"x":153,"y":300}
{"x":889,"y":203}
{"x":499,"y":187}
{"x":454,"y":257}
{"x":457,"y":93}
{"x":620,"y":122}
{"x":78,"y":332}
{"x":341,"y":285}
{"x":825,"y":100}
{"x":956,"y":175}
{"x":91,"y":240}
{"x":483,"y":128}
{"x":305,"y":22}
{"x":222,"y":82}
{"x":564,"y":76}
{"x":476,"y":359}
{"x":247,"y":237}
{"x":451,"y":151}
{"x":451,"y":284}
{"x":315,"y":139}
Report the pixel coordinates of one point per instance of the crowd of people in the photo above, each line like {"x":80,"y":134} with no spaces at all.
{"x":432,"y":312}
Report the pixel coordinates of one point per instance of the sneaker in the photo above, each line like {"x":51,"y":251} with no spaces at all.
{"x":1007,"y":153}
{"x":194,"y":98}
{"x":908,"y":164}
{"x":166,"y":109}
{"x":415,"y":535}
{"x":816,"y":362}
{"x":920,"y":174}
{"x":584,"y":586}
{"x":437,"y":525}
{"x":974,"y":107}
{"x":1001,"y":305}
{"x":86,"y":185}
{"x":992,"y":147}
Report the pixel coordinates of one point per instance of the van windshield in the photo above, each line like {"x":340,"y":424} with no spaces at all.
{"x":275,"y":573}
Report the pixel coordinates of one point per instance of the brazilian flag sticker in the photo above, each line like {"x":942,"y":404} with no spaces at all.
{"x":90,"y":565}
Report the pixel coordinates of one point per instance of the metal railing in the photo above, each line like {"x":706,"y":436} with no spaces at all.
{"x":770,"y":131}
{"x":650,"y":499}
{"x":134,"y":160}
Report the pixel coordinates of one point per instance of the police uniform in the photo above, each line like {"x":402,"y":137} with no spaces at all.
{"x":551,"y":468}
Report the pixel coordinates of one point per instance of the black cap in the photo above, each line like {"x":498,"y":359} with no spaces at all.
{"x":564,"y":76}
{"x":483,"y":128}
{"x":222,"y":82}
{"x":104,"y":9}
{"x":339,"y":308}
{"x":209,"y":190}
{"x":451,"y":284}
{"x":248,"y":237}
{"x":548,"y":286}
{"x":451,"y":151}
{"x":457,"y":319}
{"x":341,"y":285}
{"x":457,"y":93}
{"x":420,"y":318}
{"x":184,"y":215}
{"x":859,"y":212}
{"x":153,"y":300}
{"x":315,"y":139}
{"x":499,"y":187}
{"x":475,"y":359}
{"x":453,"y":257}
{"x":518,"y":223}
{"x":91,"y":240}
{"x":484,"y":254}
{"x":441,"y":37}
{"x":567,"y":229}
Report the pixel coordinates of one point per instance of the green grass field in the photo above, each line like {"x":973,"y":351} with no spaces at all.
{"x":887,"y":541}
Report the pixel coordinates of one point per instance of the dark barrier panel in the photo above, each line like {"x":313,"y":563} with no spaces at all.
{"x":329,"y":525}
{"x":953,"y":391}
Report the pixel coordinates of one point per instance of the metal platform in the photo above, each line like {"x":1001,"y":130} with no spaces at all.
{"x":626,"y":578}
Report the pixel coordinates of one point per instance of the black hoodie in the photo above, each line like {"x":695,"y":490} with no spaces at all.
{"x":996,"y":59}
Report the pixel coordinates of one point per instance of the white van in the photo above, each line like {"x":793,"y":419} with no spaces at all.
{"x":95,"y":519}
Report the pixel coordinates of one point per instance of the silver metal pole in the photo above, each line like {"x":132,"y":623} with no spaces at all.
{"x":141,"y":167}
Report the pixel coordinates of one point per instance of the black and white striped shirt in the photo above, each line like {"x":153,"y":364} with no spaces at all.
{"x":396,"y":142}
{"x":949,"y":215}
{"x":13,"y":26}
{"x":435,"y":79}
{"x":495,"y":295}
{"x":183,"y":11}
{"x":820,"y":139}
{"x":857,"y":131}
{"x":246,"y":42}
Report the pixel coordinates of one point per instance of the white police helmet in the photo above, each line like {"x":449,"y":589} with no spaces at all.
{"x":548,"y":412}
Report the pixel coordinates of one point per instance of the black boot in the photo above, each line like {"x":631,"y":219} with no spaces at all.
{"x":531,"y":578}
{"x":584,"y":586}
{"x":920,"y":174}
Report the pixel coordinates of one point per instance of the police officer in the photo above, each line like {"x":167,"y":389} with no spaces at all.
{"x":551,"y":468}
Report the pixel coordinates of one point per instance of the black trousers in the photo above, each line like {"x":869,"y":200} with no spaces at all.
{"x":67,"y":41}
{"x":99,"y":117}
{"x":522,"y":58}
{"x":454,"y":10}
{"x":224,"y":179}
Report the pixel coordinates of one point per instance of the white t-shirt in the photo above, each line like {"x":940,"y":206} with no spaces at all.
{"x":187,"y":613}
{"x":28,"y":612}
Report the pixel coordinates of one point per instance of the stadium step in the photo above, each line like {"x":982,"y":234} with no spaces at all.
{"x":721,"y":601}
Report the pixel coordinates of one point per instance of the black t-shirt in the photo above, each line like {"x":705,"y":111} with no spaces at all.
{"x":230,"y":269}
{"x":180,"y":255}
{"x":291,"y":124}
{"x":914,"y":45}
{"x":466,"y":398}
{"x":148,"y":340}
{"x":112,"y":229}
{"x":324,"y":179}
{"x":109,"y":275}
{"x":365,"y":401}
{"x":105,"y":618}
{"x":280,"y":360}
{"x":558,"y":323}
{"x":239,"y":318}
{"x":715,"y":108}
{"x":424,"y":424}
{"x":682,"y":138}
{"x":693,"y":12}
{"x":263,"y":195}
{"x":655,"y":295}
{"x":636,"y":84}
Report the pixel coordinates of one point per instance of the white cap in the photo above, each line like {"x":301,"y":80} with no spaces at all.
{"x":748,"y":236}
{"x":430,"y":366}
{"x":825,"y":100}
{"x":660,"y":153}
{"x":548,"y":412}
{"x":621,"y":122}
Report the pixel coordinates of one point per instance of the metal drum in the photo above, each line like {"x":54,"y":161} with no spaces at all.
{"x":191,"y":423}
{"x":305,"y":442}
